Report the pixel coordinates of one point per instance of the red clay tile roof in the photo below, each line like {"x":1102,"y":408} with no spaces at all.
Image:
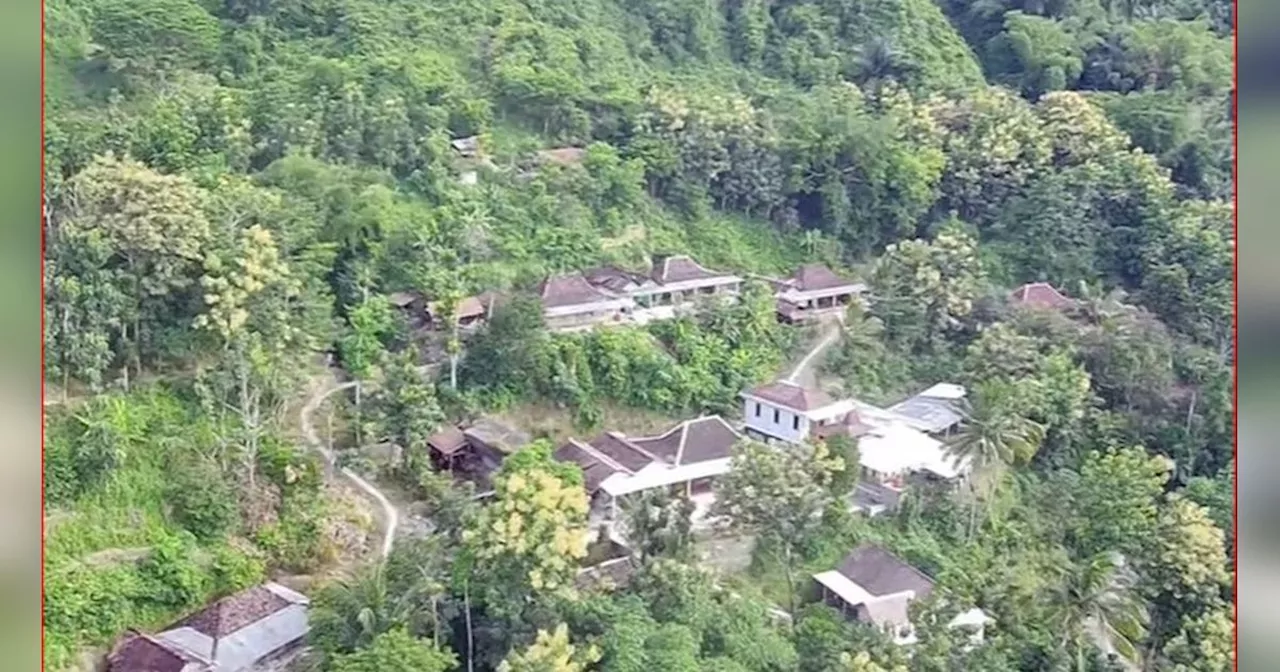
{"x":678,"y":268}
{"x":448,"y":441}
{"x":1040,"y":295}
{"x":792,"y":396}
{"x":811,"y":277}
{"x":569,"y":290}
{"x":234,"y":612}
{"x":692,"y":441}
{"x":139,"y":652}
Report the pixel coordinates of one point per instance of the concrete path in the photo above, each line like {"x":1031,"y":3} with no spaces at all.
{"x":805,"y":373}
{"x":391,"y":517}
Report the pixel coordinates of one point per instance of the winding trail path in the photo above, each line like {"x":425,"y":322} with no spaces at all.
{"x":321,"y":392}
{"x":805,"y":372}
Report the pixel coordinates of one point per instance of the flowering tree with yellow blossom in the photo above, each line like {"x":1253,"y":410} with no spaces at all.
{"x":551,"y":652}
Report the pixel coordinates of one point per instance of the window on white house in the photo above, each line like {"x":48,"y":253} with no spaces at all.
{"x":757,"y":409}
{"x":777,"y":416}
{"x":795,"y":422}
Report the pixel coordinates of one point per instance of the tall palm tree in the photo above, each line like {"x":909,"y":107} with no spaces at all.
{"x":994,"y":437}
{"x":1096,"y":605}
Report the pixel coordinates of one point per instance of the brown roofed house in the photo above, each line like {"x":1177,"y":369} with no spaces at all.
{"x":1040,"y":295}
{"x":875,"y":586}
{"x":814,"y":290}
{"x":692,"y":441}
{"x":234,"y":634}
{"x":571,"y":302}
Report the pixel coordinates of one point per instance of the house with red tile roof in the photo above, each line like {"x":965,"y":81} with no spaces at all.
{"x":1040,"y":295}
{"x":237,"y":633}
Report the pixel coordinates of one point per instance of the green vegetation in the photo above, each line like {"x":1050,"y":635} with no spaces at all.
{"x":237,"y":187}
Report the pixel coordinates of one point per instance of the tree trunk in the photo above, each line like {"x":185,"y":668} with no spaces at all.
{"x":453,"y":371}
{"x":466,"y":603}
{"x":791,"y":582}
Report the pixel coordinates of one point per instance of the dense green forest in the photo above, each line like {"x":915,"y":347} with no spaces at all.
{"x":235,"y":188}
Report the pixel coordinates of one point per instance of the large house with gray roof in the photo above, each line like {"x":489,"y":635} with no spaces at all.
{"x":874,"y":586}
{"x":689,"y":457}
{"x":238,"y":633}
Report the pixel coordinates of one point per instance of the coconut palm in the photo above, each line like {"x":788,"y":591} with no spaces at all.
{"x":349,"y":614}
{"x":994,"y":436}
{"x":1096,"y":605}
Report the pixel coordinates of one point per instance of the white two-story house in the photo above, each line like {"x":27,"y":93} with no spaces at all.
{"x":785,"y":411}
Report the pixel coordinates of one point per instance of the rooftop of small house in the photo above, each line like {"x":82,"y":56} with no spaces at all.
{"x":1040,"y":295}
{"x":230,"y":635}
{"x":499,"y":436}
{"x":469,"y":306}
{"x":403,"y":299}
{"x":817,"y":278}
{"x":877,"y":583}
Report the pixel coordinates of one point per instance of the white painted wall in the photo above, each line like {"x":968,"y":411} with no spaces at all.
{"x":775,"y":421}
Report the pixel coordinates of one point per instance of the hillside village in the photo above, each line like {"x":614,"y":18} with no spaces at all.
{"x":897,"y":446}
{"x":660,"y":335}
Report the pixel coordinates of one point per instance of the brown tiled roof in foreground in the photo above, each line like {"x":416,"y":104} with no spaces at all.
{"x":791,"y":396}
{"x":139,"y":652}
{"x":692,"y":441}
{"x":448,"y":441}
{"x":234,"y":612}
{"x":611,"y":278}
{"x":596,"y":467}
{"x":1041,"y":295}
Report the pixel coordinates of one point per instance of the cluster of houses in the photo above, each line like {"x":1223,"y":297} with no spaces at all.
{"x":609,"y":295}
{"x":263,"y":627}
